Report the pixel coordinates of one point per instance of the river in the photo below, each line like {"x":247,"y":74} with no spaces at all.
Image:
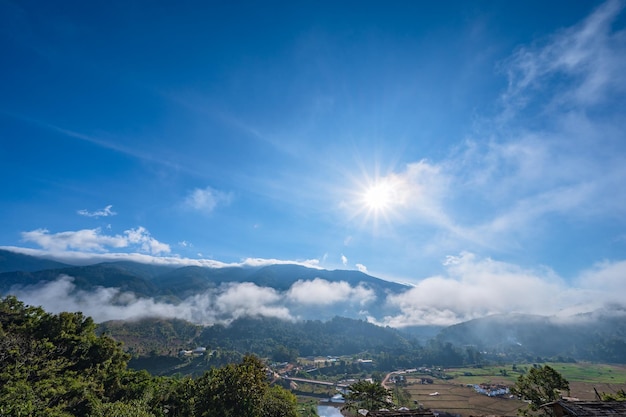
{"x":328,"y":411}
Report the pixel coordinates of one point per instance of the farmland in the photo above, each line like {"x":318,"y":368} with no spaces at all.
{"x":460,"y":399}
{"x":455,"y":396}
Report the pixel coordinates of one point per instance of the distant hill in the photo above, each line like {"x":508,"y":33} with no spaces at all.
{"x":338,"y":336}
{"x":85,"y":278}
{"x":12,"y":261}
{"x":598,"y":336}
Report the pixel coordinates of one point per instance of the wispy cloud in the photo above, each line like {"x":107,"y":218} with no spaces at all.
{"x":94,"y":240}
{"x":105,"y":212}
{"x":102,"y":141}
{"x":206,"y":199}
{"x":591,"y":55}
{"x":554,"y":149}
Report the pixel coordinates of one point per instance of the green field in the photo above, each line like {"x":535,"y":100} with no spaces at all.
{"x":573,"y":372}
{"x":588,"y":372}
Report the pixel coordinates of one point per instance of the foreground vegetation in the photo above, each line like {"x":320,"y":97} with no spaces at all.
{"x":56,"y":365}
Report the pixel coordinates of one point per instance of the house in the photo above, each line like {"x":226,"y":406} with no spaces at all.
{"x":563,"y":408}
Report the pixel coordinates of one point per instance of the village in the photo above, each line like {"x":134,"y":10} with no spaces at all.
{"x":433,"y":391}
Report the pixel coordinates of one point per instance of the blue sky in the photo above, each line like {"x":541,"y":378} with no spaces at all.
{"x":450,"y":144}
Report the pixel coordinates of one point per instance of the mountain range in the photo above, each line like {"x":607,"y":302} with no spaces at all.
{"x":293,"y":293}
{"x":309,"y":293}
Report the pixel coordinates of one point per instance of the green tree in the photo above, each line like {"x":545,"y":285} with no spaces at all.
{"x":278,"y":402}
{"x":242,"y":389}
{"x":367,"y":395}
{"x":54,"y":365}
{"x":539,"y":386}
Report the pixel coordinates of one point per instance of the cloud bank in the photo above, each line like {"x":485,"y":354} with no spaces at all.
{"x":471,"y":287}
{"x":222,"y":305}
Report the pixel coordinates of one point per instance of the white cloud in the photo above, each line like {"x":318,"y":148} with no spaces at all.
{"x":556,"y":149}
{"x":344,"y":259}
{"x":309,"y":263}
{"x":105,"y":212}
{"x":86,"y":258}
{"x":247,"y":299}
{"x":473,"y":288}
{"x":361,"y":268}
{"x":591,"y":55}
{"x":605,"y":278}
{"x":221,"y":305}
{"x":102,"y":304}
{"x":322,"y":292}
{"x":87,"y":240}
{"x":206,"y":199}
{"x":140,"y":236}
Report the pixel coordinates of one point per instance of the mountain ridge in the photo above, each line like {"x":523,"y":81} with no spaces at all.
{"x":265,"y":291}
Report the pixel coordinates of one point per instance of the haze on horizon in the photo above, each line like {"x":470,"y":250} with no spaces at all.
{"x":474,"y":150}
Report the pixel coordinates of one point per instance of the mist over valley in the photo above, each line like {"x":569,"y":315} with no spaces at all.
{"x":280,"y":302}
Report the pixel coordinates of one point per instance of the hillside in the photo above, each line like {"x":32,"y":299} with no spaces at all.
{"x":191,"y":287}
{"x":265,"y":309}
{"x":12,"y":261}
{"x":600,"y":336}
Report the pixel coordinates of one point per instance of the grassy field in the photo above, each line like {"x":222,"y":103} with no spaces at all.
{"x":586,"y":372}
{"x":573,"y":372}
{"x":455,"y":396}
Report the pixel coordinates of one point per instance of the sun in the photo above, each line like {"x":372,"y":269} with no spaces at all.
{"x":378,"y":200}
{"x":378,"y":197}
{"x":381,"y":198}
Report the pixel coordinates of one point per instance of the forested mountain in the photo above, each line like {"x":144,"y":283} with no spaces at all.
{"x":12,"y":261}
{"x":234,"y":319}
{"x":183,"y":285}
{"x":148,"y":280}
{"x":284,"y":341}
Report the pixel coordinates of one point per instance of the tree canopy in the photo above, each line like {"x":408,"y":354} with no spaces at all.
{"x":56,"y":365}
{"x":540,"y":385}
{"x":367,"y":395}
